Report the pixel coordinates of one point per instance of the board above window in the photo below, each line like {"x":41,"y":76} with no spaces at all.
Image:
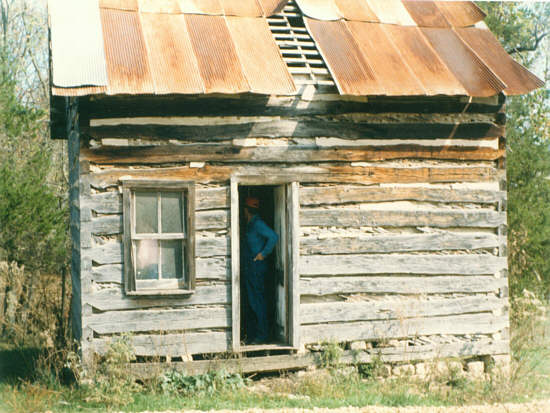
{"x":159,"y":239}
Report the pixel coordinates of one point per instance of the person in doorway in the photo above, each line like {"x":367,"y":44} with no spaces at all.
{"x":259,"y":243}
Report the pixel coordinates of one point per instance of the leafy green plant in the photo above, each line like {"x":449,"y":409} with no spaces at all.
{"x":330,"y":354}
{"x":208,"y":383}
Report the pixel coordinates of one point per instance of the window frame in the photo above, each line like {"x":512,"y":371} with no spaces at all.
{"x":129,"y":188}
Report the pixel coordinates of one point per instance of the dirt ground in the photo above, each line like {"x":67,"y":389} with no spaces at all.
{"x":542,"y":406}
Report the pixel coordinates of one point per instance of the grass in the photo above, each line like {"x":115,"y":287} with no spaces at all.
{"x":24,"y":388}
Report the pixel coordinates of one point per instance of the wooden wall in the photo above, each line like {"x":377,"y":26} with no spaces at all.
{"x":402,"y":217}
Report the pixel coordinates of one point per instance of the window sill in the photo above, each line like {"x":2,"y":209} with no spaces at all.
{"x":141,"y":293}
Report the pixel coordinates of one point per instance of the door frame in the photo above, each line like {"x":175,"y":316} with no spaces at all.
{"x":293,"y":253}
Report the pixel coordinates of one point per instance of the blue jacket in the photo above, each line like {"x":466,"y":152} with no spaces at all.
{"x":259,"y":238}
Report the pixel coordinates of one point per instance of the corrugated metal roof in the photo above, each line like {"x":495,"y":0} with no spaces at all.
{"x":172,"y":60}
{"x":219,"y":64}
{"x":472,"y":73}
{"x":426,"y":13}
{"x":127,"y":64}
{"x":413,"y":50}
{"x":260,"y":58}
{"x":461,"y":13}
{"x":371,"y":47}
{"x":76,"y":60}
{"x":518,"y":79}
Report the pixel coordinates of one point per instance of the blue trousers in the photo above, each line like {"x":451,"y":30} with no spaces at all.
{"x":256,"y":314}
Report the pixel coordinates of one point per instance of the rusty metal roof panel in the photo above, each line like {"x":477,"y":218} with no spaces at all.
{"x":159,"y":6}
{"x":261,"y":60}
{"x":217,"y":58}
{"x":391,"y":12}
{"x":173,"y":63}
{"x":461,"y":13}
{"x":466,"y":66}
{"x":356,"y":10}
{"x":243,"y":8}
{"x":319,"y":9}
{"x":426,"y":13}
{"x":517,"y":78}
{"x":210,"y":7}
{"x":78,"y":91}
{"x":125,"y":51}
{"x":393,"y":74}
{"x":424,"y":62}
{"x":130,"y":5}
{"x":351,"y":73}
{"x":76,"y":60}
{"x":271,"y":7}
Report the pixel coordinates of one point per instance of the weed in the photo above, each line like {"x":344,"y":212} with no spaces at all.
{"x":208,"y":383}
{"x":330,"y":354}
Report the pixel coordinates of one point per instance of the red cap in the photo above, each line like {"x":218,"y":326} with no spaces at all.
{"x":252,"y":202}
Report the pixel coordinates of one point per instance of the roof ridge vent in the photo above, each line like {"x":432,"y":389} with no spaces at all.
{"x":299,"y":51}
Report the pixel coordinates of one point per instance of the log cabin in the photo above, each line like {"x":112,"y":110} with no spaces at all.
{"x":373,"y":133}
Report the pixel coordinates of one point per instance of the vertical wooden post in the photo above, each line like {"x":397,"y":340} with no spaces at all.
{"x":293,"y":208}
{"x":235,"y":267}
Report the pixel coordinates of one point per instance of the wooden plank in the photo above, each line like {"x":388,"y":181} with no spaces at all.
{"x":396,"y":309}
{"x":262,"y":105}
{"x":173,"y":345}
{"x":384,"y":243}
{"x":294,"y":262}
{"x":300,"y":128}
{"x":111,"y":253}
{"x":483,"y":323}
{"x":235,"y":267}
{"x":158,"y":154}
{"x":400,"y":285}
{"x":315,"y":195}
{"x":205,"y":220}
{"x":110,"y":273}
{"x":364,"y":175}
{"x":474,"y":264}
{"x":216,"y":268}
{"x":480,"y":218}
{"x":114,"y":299}
{"x":111,"y":202}
{"x":115,"y":322}
{"x":300,"y":361}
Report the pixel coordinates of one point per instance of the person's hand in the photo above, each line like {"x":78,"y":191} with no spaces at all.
{"x":259,"y":257}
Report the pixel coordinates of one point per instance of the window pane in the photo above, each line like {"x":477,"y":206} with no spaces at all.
{"x":147,"y":257}
{"x":171,"y":212}
{"x":146,"y":213}
{"x":172,"y":259}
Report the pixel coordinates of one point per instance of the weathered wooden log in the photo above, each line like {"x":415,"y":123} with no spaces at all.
{"x":386,"y":243}
{"x":401,"y":264}
{"x":173,"y":345}
{"x":158,"y":154}
{"x":397,"y":309}
{"x":433,"y":218}
{"x":297,"y":361}
{"x":204,"y":220}
{"x":314,"y":195}
{"x":400,"y":285}
{"x":111,"y":202}
{"x":258,"y":105}
{"x":299,"y":128}
{"x":321,"y":173}
{"x":115,"y":322}
{"x":115,"y":299}
{"x":483,"y":323}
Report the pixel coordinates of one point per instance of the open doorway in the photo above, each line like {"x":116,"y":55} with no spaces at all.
{"x":272,"y":210}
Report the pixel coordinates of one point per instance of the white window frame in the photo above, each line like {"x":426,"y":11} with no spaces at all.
{"x":185,"y":285}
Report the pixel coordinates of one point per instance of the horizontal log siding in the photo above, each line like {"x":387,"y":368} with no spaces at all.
{"x":401,"y":237}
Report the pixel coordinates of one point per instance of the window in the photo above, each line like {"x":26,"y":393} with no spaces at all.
{"x":158,"y":237}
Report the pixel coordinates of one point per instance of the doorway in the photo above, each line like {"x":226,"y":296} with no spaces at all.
{"x":273,"y":212}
